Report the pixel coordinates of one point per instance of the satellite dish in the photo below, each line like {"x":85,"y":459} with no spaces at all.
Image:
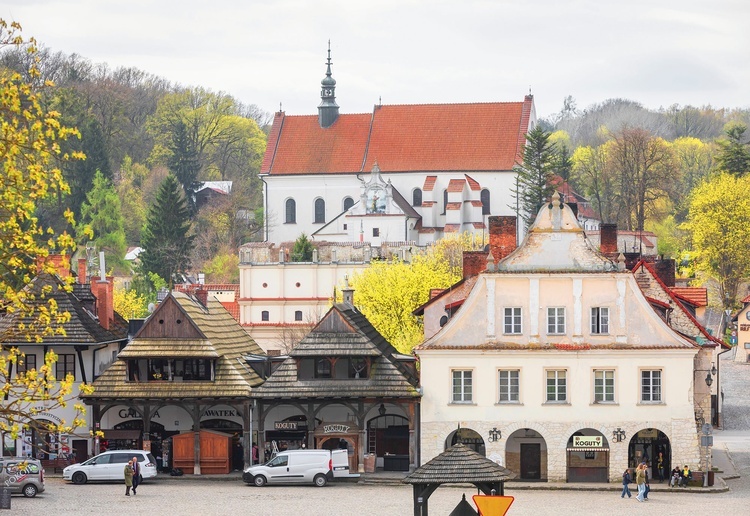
{"x":151,"y":307}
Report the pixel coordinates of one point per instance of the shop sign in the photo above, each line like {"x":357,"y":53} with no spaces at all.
{"x":285,"y":425}
{"x":220,"y":413}
{"x":587,"y":441}
{"x":126,"y":413}
{"x":335,"y":429}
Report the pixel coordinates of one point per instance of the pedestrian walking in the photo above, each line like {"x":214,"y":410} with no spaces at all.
{"x":128,"y":477}
{"x":625,"y":481}
{"x":136,"y":474}
{"x":640,"y":480}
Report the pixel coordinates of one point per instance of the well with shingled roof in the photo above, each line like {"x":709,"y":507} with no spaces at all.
{"x":458,"y":464}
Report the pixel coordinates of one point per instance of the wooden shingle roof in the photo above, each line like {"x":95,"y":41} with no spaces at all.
{"x":342,"y":332}
{"x":83,"y":328}
{"x":207,"y":332}
{"x":459,"y":463}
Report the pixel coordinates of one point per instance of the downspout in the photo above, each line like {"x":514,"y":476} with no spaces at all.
{"x":265,"y":208}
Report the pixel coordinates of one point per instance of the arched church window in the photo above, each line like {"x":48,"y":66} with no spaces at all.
{"x":484,"y":196}
{"x":290,"y":211}
{"x":320,"y":211}
{"x":416,"y":197}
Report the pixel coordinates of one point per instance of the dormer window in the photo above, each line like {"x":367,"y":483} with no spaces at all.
{"x":171,"y":370}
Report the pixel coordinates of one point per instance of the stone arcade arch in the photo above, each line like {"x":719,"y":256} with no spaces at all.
{"x":526,"y":455}
{"x":645,"y":446}
{"x":468,"y":437}
{"x":587,"y":456}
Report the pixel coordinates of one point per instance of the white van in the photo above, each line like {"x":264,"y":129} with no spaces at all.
{"x":299,"y":467}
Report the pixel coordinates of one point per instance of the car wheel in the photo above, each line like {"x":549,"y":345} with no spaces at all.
{"x":79,"y":477}
{"x":29,"y":490}
{"x":259,"y":480}
{"x":320,"y":480}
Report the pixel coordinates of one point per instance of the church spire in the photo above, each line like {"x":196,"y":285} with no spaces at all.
{"x":328,"y":110}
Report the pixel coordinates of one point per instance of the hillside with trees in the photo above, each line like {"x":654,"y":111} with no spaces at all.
{"x":643,"y":169}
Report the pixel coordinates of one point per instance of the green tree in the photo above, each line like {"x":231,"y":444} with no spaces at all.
{"x":184,"y":163}
{"x":102,"y":215}
{"x":166,"y":240}
{"x":719,"y":223}
{"x":734,"y":152}
{"x":30,"y":153}
{"x":302,"y":250}
{"x":387,"y":293}
{"x":534,"y":187}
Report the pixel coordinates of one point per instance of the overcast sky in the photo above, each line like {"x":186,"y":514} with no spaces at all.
{"x":656,"y":52}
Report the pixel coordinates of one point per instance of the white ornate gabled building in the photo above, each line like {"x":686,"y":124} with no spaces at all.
{"x":558,"y":367}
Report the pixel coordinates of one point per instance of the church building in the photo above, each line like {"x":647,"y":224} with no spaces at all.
{"x":400,"y":173}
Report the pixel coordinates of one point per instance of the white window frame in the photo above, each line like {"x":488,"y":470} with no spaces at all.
{"x":465,"y":393}
{"x":651,"y":398}
{"x":512,"y":320}
{"x":560,"y":380}
{"x":600,"y":320}
{"x":553,"y":320}
{"x":604,"y":378}
{"x":508,"y":383}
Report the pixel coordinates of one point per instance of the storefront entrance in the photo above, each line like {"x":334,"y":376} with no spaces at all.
{"x":337,"y":436}
{"x":588,"y":457}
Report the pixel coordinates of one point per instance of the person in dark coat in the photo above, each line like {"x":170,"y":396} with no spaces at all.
{"x":128,"y":477}
{"x":136,"y":474}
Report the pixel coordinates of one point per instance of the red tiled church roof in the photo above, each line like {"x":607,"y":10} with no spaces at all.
{"x":402,"y":138}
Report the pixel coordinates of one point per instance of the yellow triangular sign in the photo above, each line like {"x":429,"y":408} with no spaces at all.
{"x":492,"y":505}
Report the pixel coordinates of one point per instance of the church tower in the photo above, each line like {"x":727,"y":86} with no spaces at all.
{"x":328,"y":110}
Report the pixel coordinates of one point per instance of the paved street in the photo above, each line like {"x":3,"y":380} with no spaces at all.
{"x":205,"y":497}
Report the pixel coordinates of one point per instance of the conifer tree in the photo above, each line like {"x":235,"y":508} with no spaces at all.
{"x":165,"y":240}
{"x":103,"y":215}
{"x":533,"y":187}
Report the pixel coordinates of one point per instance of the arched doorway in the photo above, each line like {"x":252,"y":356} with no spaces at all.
{"x":468,"y":437}
{"x":388,"y":434}
{"x":587,"y":456}
{"x":235,"y":430}
{"x":645,"y":446}
{"x":526,"y":455}
{"x":43,"y":442}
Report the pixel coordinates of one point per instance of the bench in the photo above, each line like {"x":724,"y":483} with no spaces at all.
{"x":56,"y":464}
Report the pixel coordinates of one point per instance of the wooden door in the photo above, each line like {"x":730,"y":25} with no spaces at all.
{"x":531,"y":461}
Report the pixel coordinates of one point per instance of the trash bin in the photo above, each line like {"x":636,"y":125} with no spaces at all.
{"x":5,"y":498}
{"x":370,"y":462}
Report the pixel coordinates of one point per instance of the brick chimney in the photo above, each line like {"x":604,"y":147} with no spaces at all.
{"x":502,"y":236}
{"x":665,"y":269}
{"x":474,"y":262}
{"x":60,"y":262}
{"x":82,"y":271}
{"x":608,"y":239}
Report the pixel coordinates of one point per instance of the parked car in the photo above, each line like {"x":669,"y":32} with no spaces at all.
{"x":110,"y":465}
{"x":22,"y":475}
{"x":300,"y":467}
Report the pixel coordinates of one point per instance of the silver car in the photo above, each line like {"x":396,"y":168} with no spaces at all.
{"x":22,"y":475}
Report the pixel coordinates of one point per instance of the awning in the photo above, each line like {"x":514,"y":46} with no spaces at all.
{"x":122,"y":434}
{"x":588,"y":449}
